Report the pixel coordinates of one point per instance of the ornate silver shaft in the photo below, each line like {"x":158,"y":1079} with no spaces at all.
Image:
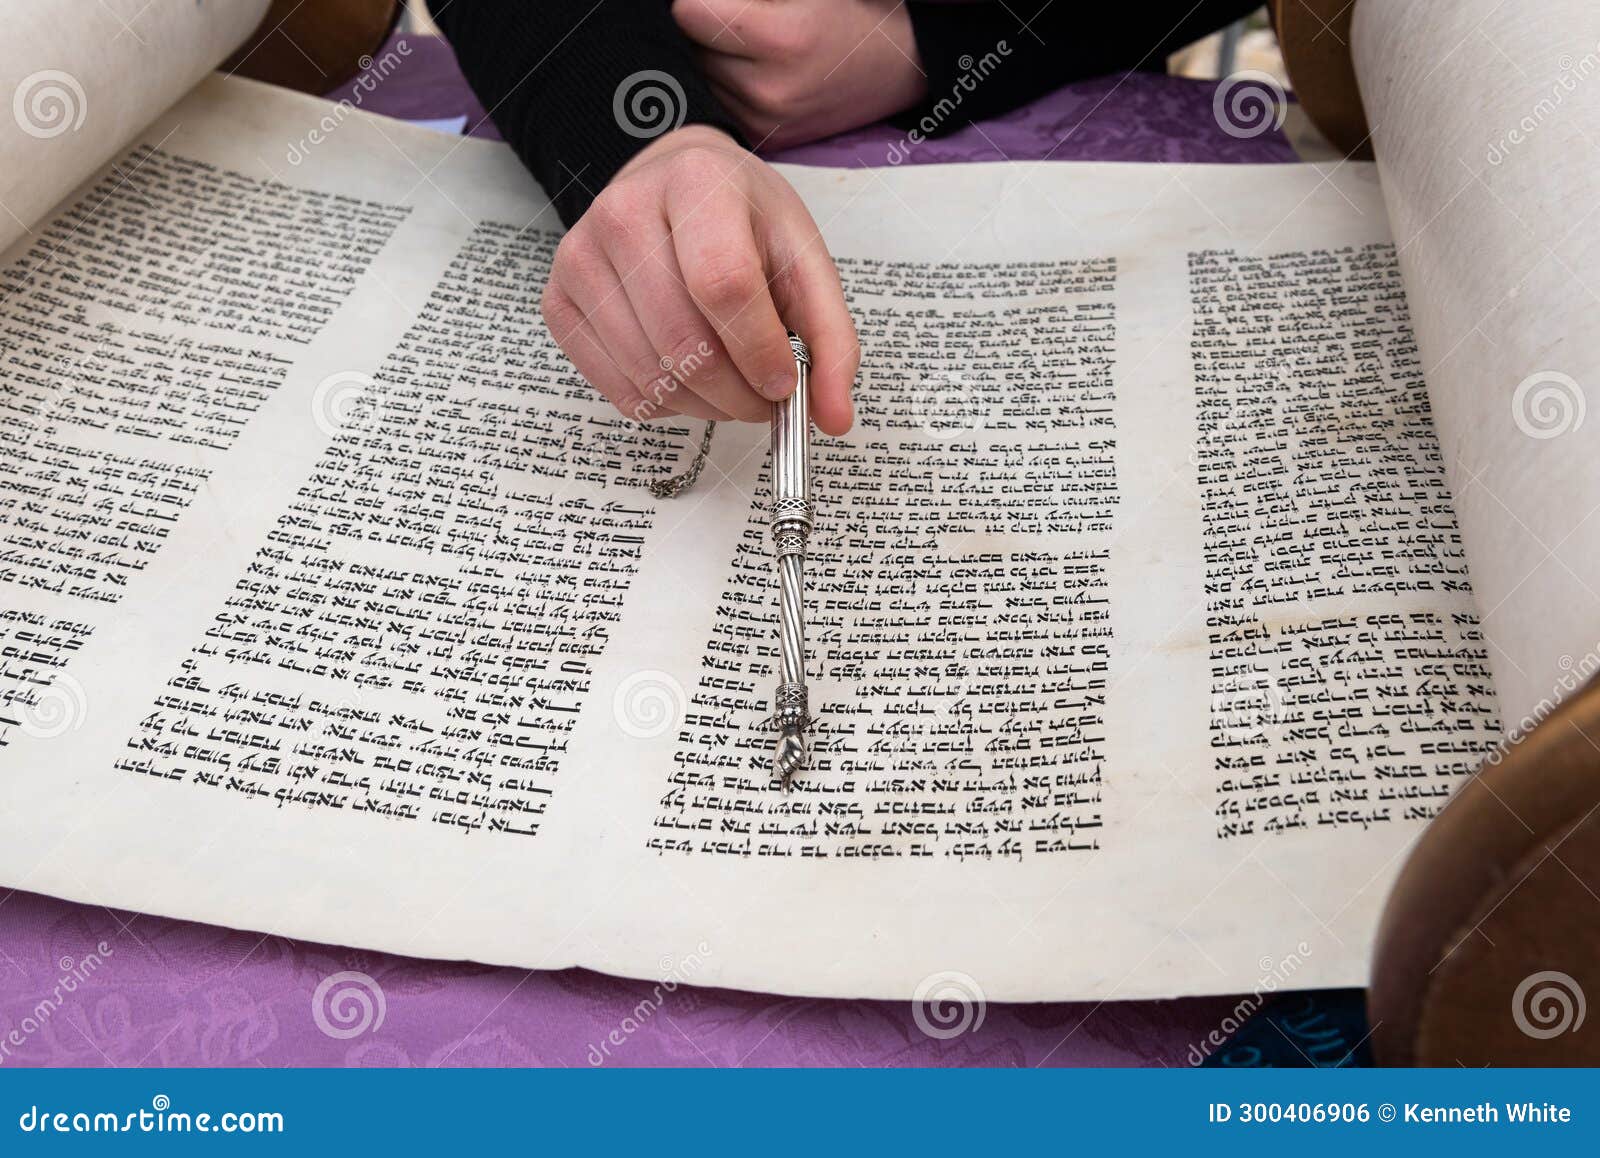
{"x":791,"y":527}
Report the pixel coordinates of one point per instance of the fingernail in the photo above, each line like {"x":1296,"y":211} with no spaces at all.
{"x":779,"y":387}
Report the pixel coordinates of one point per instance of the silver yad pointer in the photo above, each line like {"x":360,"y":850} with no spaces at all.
{"x":791,"y":527}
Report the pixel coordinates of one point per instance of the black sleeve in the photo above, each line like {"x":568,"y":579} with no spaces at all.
{"x":577,"y":87}
{"x":983,"y":59}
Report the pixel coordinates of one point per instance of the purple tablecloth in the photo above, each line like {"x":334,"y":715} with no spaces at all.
{"x":83,"y":985}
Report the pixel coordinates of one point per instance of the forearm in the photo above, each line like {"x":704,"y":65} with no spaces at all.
{"x":578,"y":87}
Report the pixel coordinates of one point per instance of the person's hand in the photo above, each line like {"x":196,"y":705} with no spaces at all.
{"x":672,"y":294}
{"x":791,"y":71}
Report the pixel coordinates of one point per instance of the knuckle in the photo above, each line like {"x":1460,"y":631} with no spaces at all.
{"x":577,"y":258}
{"x":698,"y":162}
{"x":618,"y":204}
{"x":787,"y":282}
{"x":551,"y":303}
{"x":686,"y":164}
{"x":563,"y":255}
{"x":560,"y":315}
{"x":654,"y":384}
{"x":726,"y":280}
{"x":692,"y":157}
{"x":689,"y":354}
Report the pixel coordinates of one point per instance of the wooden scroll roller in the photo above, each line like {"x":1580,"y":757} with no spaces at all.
{"x":1315,"y":38}
{"x":315,"y":46}
{"x":1488,"y":952}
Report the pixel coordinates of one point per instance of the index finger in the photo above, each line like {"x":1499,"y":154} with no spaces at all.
{"x":725,"y":271}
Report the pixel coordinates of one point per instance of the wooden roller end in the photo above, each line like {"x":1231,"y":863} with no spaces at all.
{"x":1488,"y":951}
